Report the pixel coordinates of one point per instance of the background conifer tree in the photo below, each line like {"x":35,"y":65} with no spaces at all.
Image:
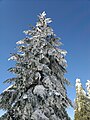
{"x":82,"y":109}
{"x":38,"y":91}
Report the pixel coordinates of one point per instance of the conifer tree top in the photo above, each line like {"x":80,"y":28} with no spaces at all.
{"x":38,"y":91}
{"x":82,"y":101}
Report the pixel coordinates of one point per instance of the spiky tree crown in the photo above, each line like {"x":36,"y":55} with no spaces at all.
{"x":38,"y":90}
{"x":82,"y":101}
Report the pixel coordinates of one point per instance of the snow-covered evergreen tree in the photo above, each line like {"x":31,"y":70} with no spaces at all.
{"x":82,"y":109}
{"x":38,"y":91}
{"x":88,"y":88}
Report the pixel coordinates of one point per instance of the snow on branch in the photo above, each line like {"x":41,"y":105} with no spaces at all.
{"x":88,"y":87}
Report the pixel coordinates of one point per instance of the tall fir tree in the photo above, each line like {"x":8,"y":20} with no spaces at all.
{"x":82,"y":109}
{"x":38,"y":91}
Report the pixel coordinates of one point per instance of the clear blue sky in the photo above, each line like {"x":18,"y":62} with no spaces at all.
{"x":71,"y":22}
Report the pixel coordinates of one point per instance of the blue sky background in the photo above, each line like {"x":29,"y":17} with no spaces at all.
{"x":71,"y":22}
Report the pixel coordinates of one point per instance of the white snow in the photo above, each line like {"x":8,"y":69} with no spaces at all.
{"x":38,"y":24}
{"x":79,"y":88}
{"x":40,"y":67}
{"x":43,"y":14}
{"x":20,"y":42}
{"x":39,"y":90}
{"x":57,"y":93}
{"x":13,"y":58}
{"x":88,"y":87}
{"x":78,"y":83}
{"x":48,"y":20}
{"x":38,"y":115}
{"x":64,"y":52}
{"x":26,"y":32}
{"x":7,"y":89}
{"x":25,"y":96}
{"x":37,"y":76}
{"x":38,"y":28}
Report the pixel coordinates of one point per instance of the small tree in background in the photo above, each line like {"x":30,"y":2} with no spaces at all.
{"x":38,"y":91}
{"x":82,"y":110}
